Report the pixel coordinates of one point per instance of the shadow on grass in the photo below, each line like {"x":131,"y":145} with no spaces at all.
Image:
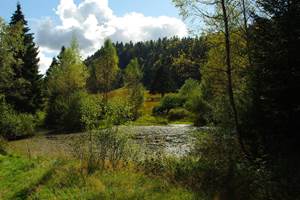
{"x":28,"y":191}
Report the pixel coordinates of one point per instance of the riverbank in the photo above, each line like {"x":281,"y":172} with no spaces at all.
{"x":43,"y":167}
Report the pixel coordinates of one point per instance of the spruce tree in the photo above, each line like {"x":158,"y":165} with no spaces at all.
{"x":55,"y":62}
{"x":29,"y":98}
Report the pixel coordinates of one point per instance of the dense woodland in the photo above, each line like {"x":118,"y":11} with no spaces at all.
{"x":170,"y":61}
{"x":240,"y":78}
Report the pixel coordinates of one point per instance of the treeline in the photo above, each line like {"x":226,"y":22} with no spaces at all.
{"x":166,"y":63}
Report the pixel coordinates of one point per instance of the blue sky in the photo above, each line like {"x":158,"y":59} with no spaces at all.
{"x":35,"y":9}
{"x":54,"y":22}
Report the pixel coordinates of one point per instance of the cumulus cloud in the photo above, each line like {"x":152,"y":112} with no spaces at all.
{"x":92,"y":21}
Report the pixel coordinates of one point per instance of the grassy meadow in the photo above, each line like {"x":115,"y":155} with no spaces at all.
{"x":41,"y":178}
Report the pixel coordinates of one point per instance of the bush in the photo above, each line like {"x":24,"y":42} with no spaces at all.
{"x":40,"y":118}
{"x":201,"y":109}
{"x":178,"y":113}
{"x":14,"y":125}
{"x":167,"y":103}
{"x":76,"y":112}
{"x":102,"y":148}
{"x":111,"y":146}
{"x":223,"y":172}
{"x":118,"y":112}
{"x":190,"y":88}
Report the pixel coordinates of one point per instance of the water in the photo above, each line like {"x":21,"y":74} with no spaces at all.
{"x":174,"y":139}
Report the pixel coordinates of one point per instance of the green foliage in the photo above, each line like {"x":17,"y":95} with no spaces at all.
{"x":40,"y":117}
{"x":112,"y":146}
{"x":90,"y":110}
{"x":69,"y":75}
{"x":27,"y":70}
{"x":41,"y":179}
{"x":104,"y":69}
{"x":65,"y":82}
{"x":178,"y":113}
{"x":133,"y":76}
{"x":118,"y":112}
{"x":6,"y":58}
{"x":78,"y":111}
{"x":224,"y":171}
{"x":201,"y":109}
{"x":163,"y":80}
{"x":167,"y":103}
{"x":136,"y":99}
{"x":3,"y":144}
{"x":184,"y":55}
{"x":12,"y":85}
{"x":214,"y":168}
{"x":190,"y":88}
{"x":14,"y":125}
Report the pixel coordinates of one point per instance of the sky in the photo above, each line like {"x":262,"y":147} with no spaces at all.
{"x":55,"y":22}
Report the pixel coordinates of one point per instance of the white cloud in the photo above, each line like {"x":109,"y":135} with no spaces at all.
{"x":93,"y":20}
{"x":45,"y":60}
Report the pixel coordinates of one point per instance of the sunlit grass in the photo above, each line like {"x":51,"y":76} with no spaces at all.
{"x":21,"y":178}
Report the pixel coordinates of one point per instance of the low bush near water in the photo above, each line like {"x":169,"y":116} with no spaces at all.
{"x":178,"y":113}
{"x":215,"y":169}
{"x":74,"y":112}
{"x":167,"y":103}
{"x":14,"y":125}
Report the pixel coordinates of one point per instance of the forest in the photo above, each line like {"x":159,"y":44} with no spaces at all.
{"x":214,"y":115}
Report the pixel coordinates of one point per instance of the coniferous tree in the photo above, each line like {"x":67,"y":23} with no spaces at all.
{"x":30,"y":99}
{"x":163,"y":81}
{"x":55,"y":62}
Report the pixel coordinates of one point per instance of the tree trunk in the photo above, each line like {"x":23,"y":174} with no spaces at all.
{"x":229,"y":75}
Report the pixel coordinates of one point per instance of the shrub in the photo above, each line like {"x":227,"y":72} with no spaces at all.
{"x":105,"y":147}
{"x":78,"y":111}
{"x":14,"y":125}
{"x":178,"y":113}
{"x":167,"y":103}
{"x":118,"y":112}
{"x":189,"y":88}
{"x":40,"y":118}
{"x":111,"y":146}
{"x":91,"y":111}
{"x":85,"y":111}
{"x":201,"y":109}
{"x":223,"y":171}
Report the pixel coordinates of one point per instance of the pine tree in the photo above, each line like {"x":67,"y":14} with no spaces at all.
{"x":163,"y":81}
{"x":30,"y":99}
